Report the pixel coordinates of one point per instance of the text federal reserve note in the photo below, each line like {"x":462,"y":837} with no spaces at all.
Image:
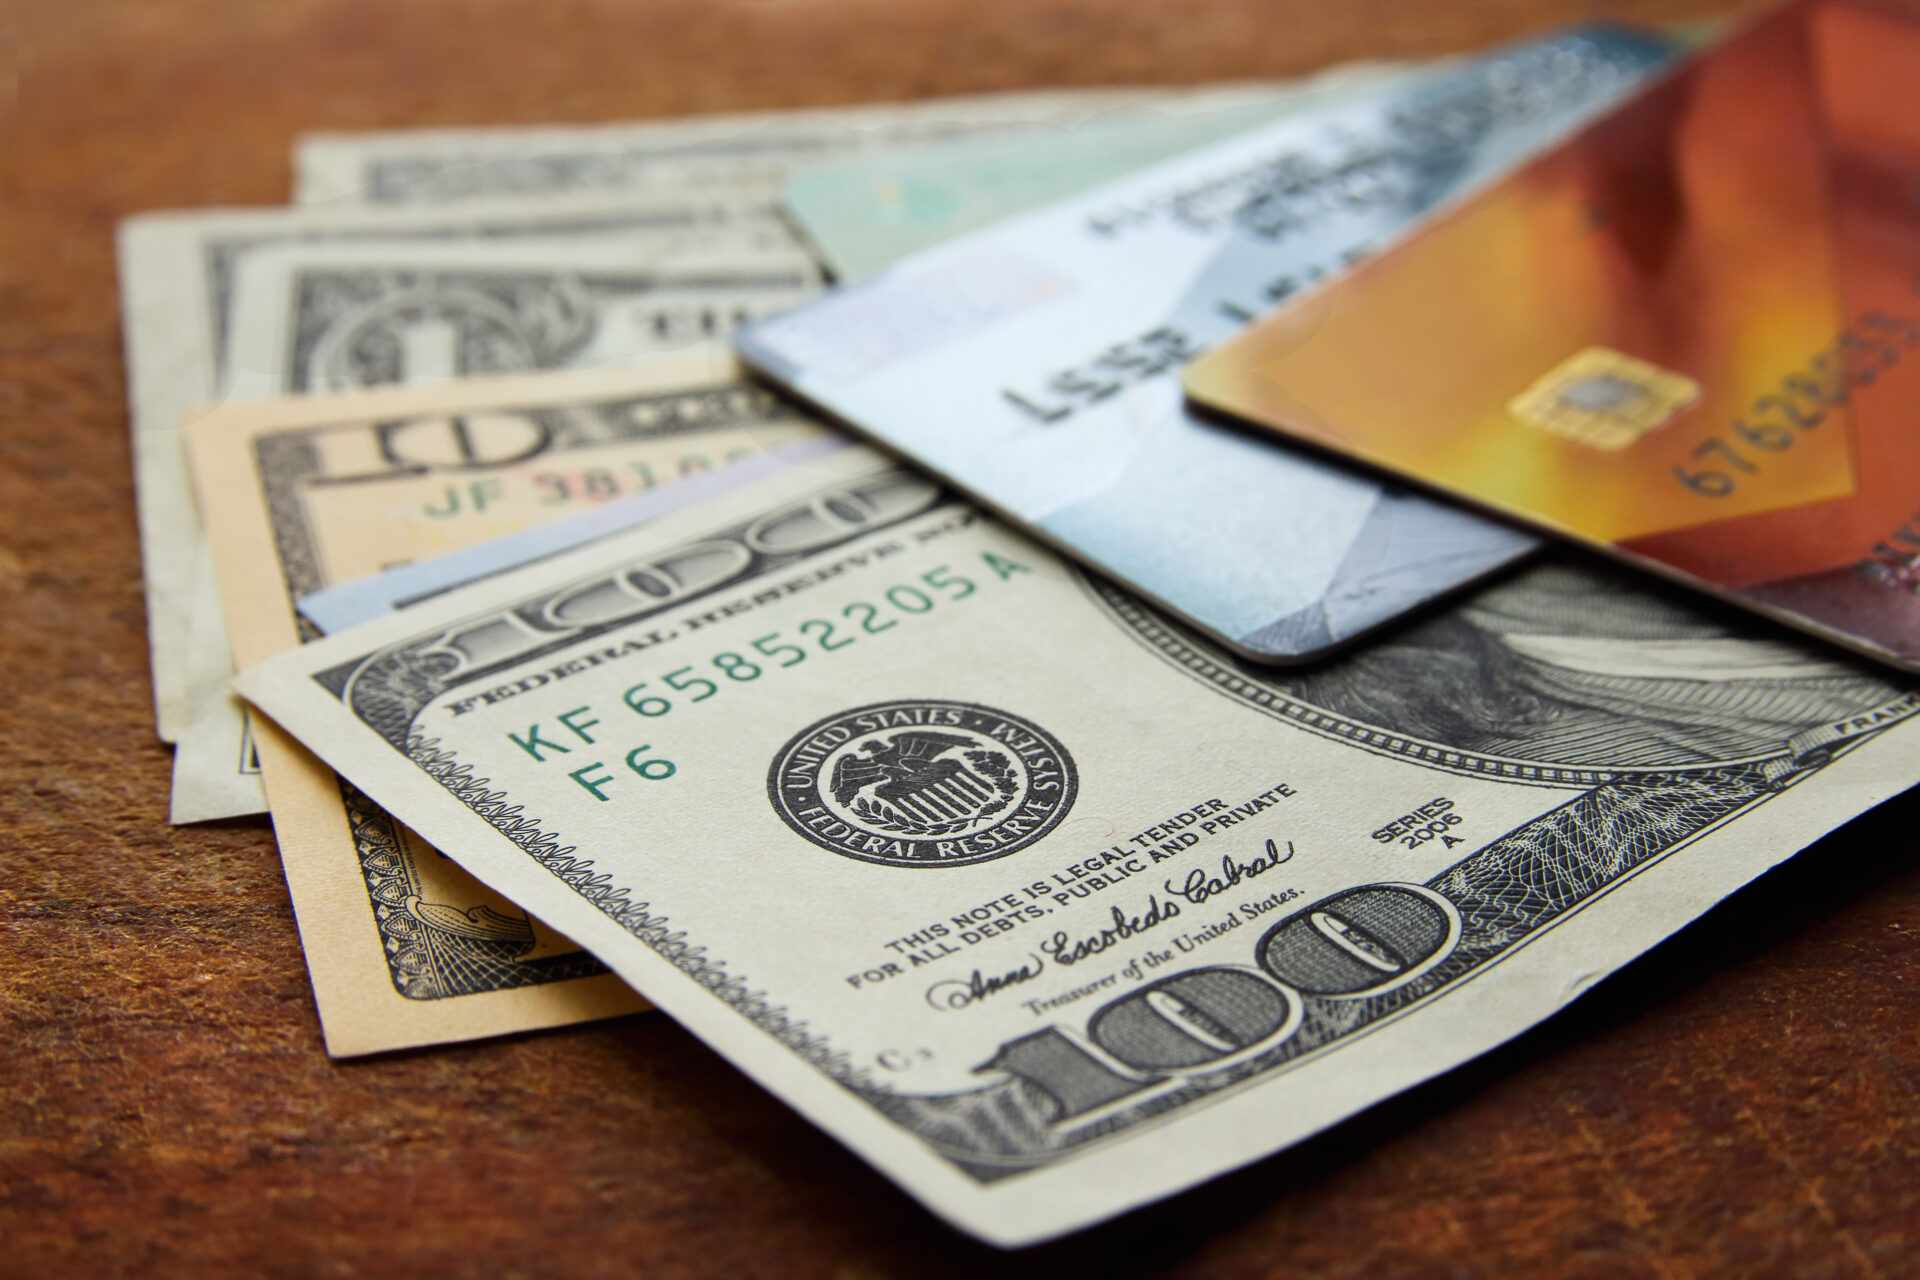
{"x":403,"y":947}
{"x":1044,"y":906}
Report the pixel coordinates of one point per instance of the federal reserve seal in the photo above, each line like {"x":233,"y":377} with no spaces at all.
{"x":921,"y":783}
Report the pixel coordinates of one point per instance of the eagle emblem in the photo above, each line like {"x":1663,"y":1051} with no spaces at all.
{"x":922,"y":782}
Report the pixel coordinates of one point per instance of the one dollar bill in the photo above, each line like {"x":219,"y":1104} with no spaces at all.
{"x":1038,"y":902}
{"x":403,"y":947}
{"x":178,"y":275}
{"x":328,"y":311}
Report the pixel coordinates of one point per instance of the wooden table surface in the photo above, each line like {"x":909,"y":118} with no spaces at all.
{"x":1740,"y":1102}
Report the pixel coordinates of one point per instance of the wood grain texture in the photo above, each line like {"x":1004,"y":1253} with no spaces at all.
{"x":1745,"y":1101}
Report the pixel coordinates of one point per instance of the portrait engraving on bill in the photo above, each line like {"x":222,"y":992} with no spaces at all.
{"x":1567,"y":672}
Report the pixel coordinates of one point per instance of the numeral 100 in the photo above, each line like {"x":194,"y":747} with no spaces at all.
{"x":1351,"y":945}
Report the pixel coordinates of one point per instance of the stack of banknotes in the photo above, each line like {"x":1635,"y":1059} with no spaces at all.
{"x":764,"y":567}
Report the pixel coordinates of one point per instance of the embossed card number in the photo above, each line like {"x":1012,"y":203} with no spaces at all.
{"x":1856,"y":358}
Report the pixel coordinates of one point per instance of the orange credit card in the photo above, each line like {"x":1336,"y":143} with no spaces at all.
{"x":1690,"y":336}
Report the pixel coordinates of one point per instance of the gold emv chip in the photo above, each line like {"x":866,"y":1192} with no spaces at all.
{"x":1604,"y":399}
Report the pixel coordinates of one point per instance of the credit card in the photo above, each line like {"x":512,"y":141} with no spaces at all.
{"x":1689,"y":337}
{"x":1033,"y":363}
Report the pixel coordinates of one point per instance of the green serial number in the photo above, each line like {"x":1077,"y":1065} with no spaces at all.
{"x":860,"y":618}
{"x":698,"y":682}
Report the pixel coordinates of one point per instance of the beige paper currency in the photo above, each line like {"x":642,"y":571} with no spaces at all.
{"x":403,"y":947}
{"x":1040,"y":904}
{"x":443,"y":166}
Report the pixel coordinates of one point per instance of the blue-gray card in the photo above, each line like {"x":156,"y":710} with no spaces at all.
{"x":1033,"y":363}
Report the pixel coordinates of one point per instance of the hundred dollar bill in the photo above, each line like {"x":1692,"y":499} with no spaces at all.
{"x":440,"y":166}
{"x":1034,"y":363}
{"x":403,"y":947}
{"x":866,"y":212}
{"x":1037,"y":901}
{"x":403,"y":311}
